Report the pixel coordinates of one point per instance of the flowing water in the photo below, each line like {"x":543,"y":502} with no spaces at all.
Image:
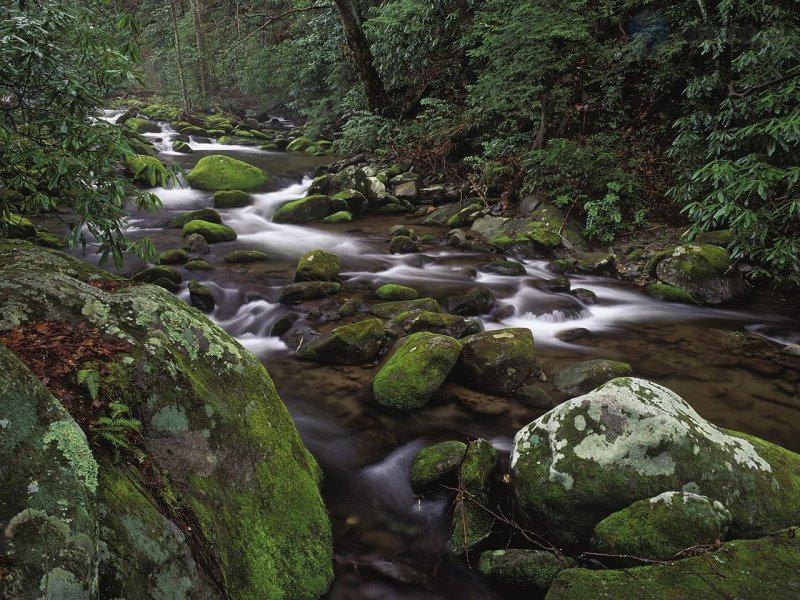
{"x":726,"y":362}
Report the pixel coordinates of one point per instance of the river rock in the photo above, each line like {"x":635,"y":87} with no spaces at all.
{"x":213,"y":233}
{"x":356,"y":201}
{"x":245,"y":256}
{"x":320,"y":185}
{"x":706,"y":272}
{"x":343,"y":216}
{"x":201,"y":297}
{"x":318,"y":265}
{"x":352,"y":344}
{"x":209,"y":215}
{"x":18,"y":227}
{"x":441,"y":216}
{"x":669,"y":293}
{"x":660,"y":527}
{"x":497,"y":361}
{"x":220,"y":448}
{"x":526,"y":569}
{"x":413,"y":321}
{"x":407,"y":190}
{"x":389,"y":310}
{"x":472,"y":523}
{"x":181,"y":147}
{"x":152,"y":274}
{"x":308,"y":209}
{"x":146,"y":171}
{"x":350,"y":178}
{"x":395,"y":292}
{"x":308,"y":290}
{"x":217,"y":172}
{"x":198,"y":264}
{"x":410,"y":377}
{"x":630,"y":440}
{"x":475,"y":301}
{"x":232,"y":199}
{"x":583,"y":377}
{"x":400,"y":230}
{"x":196,"y":244}
{"x":534,"y":397}
{"x":508,"y":268}
{"x":434,"y":464}
{"x":402,"y":245}
{"x":176,"y":256}
{"x":740,"y":569}
{"x":299,"y":144}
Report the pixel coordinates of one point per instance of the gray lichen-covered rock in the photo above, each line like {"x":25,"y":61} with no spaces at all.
{"x":631,"y":439}
{"x":583,"y":377}
{"x":472,"y":523}
{"x":48,"y":509}
{"x":497,"y":361}
{"x":660,"y":527}
{"x":352,"y":344}
{"x":434,"y":463}
{"x":228,"y":492}
{"x":526,"y":569}
{"x":416,"y":371}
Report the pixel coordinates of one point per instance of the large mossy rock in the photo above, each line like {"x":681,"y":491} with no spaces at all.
{"x":217,"y":172}
{"x":228,"y":494}
{"x":146,"y":171}
{"x":308,"y":209}
{"x":350,"y":178}
{"x":757,"y":569}
{"x":416,"y":371}
{"x":497,"y":361}
{"x":658,"y":528}
{"x":630,"y":440}
{"x":142,"y":125}
{"x":232,"y":199}
{"x":318,"y":265}
{"x":49,"y":531}
{"x":213,"y":233}
{"x":352,"y":344}
{"x":706,"y":272}
{"x":308,"y":290}
{"x":388,"y":310}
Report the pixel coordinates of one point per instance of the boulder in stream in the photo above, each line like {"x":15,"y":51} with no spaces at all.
{"x":402,"y":244}
{"x":145,"y":171}
{"x":472,"y":523}
{"x":583,"y":377}
{"x":308,"y":290}
{"x":201,"y":297}
{"x":395,"y":292}
{"x":474,"y":301}
{"x":352,"y":344}
{"x":175,"y":256}
{"x":435,"y":463}
{"x":318,"y":265}
{"x":153,"y":274}
{"x":209,"y":215}
{"x":389,"y":310}
{"x":532,"y":570}
{"x":631,"y":440}
{"x":508,"y":268}
{"x":217,"y":172}
{"x":413,"y":321}
{"x":213,"y":233}
{"x":497,"y":361}
{"x":232,"y":199}
{"x":196,"y":244}
{"x":308,"y":209}
{"x":245,"y":256}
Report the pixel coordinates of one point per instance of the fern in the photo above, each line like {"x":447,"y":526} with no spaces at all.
{"x":117,"y":427}
{"x":91,"y":378}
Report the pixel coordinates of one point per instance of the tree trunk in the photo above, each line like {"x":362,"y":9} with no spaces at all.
{"x":179,"y":54}
{"x":377,"y":100}
{"x":202,"y":55}
{"x":541,"y":135}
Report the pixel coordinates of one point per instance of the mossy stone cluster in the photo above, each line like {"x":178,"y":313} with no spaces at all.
{"x":413,"y":321}
{"x":318,"y":265}
{"x":389,"y":310}
{"x":217,"y":172}
{"x":142,"y":125}
{"x":352,"y":344}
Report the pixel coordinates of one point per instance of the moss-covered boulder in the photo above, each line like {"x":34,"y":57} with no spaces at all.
{"x":198,"y":264}
{"x":194,"y":130}
{"x":393,"y":292}
{"x":350,"y":178}
{"x":142,"y":125}
{"x":181,"y":147}
{"x":660,"y":527}
{"x":214,"y":233}
{"x":299,"y":144}
{"x":18,"y":227}
{"x":209,"y":215}
{"x":356,"y":201}
{"x":195,"y":243}
{"x":497,"y":361}
{"x":175,"y":256}
{"x":232,"y":199}
{"x":413,"y":321}
{"x":440,"y":216}
{"x":389,"y":310}
{"x":582,"y":377}
{"x":474,"y":301}
{"x":706,"y":272}
{"x":432,"y":465}
{"x":226,"y":502}
{"x":352,"y":344}
{"x":343,"y":216}
{"x":411,"y":376}
{"x":201,"y":297}
{"x":153,"y":274}
{"x":764,"y":568}
{"x":308,"y":209}
{"x":630,"y":440}
{"x":146,"y":171}
{"x":670,"y":293}
{"x":49,"y":533}
{"x":532,"y":570}
{"x":217,"y":172}
{"x":308,"y":290}
{"x":472,"y":523}
{"x":51,"y":240}
{"x":245,"y":256}
{"x":318,"y":265}
{"x":402,"y":244}
{"x":508,"y":268}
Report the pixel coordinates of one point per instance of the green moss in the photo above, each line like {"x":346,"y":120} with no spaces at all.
{"x":434,"y":463}
{"x":212,"y":232}
{"x":388,"y":310}
{"x":51,"y":240}
{"x":181,"y":147}
{"x":472,"y":523}
{"x":217,"y":172}
{"x":413,"y":321}
{"x":525,"y":569}
{"x":318,"y":265}
{"x":232,"y":199}
{"x":308,"y":290}
{"x":72,"y":443}
{"x":347,"y":345}
{"x":395,"y":292}
{"x":203,"y":214}
{"x":670,"y":293}
{"x":199,"y":265}
{"x":193,"y":130}
{"x":142,"y":125}
{"x":416,"y":371}
{"x":308,"y":209}
{"x":18,"y":227}
{"x":504,"y":267}
{"x":153,"y":274}
{"x":175,"y":256}
{"x":343,"y":216}
{"x":146,"y":170}
{"x":299,"y":144}
{"x":497,"y":361}
{"x":245,"y":256}
{"x":582,"y":377}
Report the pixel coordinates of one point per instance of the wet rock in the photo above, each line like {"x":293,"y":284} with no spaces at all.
{"x":411,"y":376}
{"x":458,"y":239}
{"x":299,"y":144}
{"x":349,"y":307}
{"x":308,"y":290}
{"x":430,"y":195}
{"x":245,"y":256}
{"x":318,"y":265}
{"x":631,"y":439}
{"x":660,"y":527}
{"x":401,"y":230}
{"x":151,"y":274}
{"x":403,"y":245}
{"x":217,"y":172}
{"x":582,"y":377}
{"x":142,"y":125}
{"x":173,"y":257}
{"x":388,"y":310}
{"x":232,"y":199}
{"x":395,"y":292}
{"x":524,"y":238}
{"x":508,"y":268}
{"x":356,"y":201}
{"x":308,"y":209}
{"x":51,"y":240}
{"x":534,"y":397}
{"x":201,"y":297}
{"x":284,"y":324}
{"x":497,"y":361}
{"x":376,"y":190}
{"x":181,"y":147}
{"x":198,"y":265}
{"x":212,"y":232}
{"x":413,"y":321}
{"x":669,"y":293}
{"x":435,"y":463}
{"x":441,"y":216}
{"x":167,"y":284}
{"x":342,"y":216}
{"x":475,"y":301}
{"x":472,"y":524}
{"x":792,"y":349}
{"x":352,"y":344}
{"x":705,"y":272}
{"x":571,"y":335}
{"x":740,"y":569}
{"x":466,"y":216}
{"x":320,"y":185}
{"x":588,"y":297}
{"x":527,"y":569}
{"x":209,"y":215}
{"x":558,"y":285}
{"x":563,"y":266}
{"x":407,"y":190}
{"x":350,"y":178}
{"x":596,"y":262}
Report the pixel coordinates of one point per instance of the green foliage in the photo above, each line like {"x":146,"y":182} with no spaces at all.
{"x":604,"y":217}
{"x":91,"y":379}
{"x":117,"y":427}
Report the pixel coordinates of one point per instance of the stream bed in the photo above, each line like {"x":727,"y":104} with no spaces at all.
{"x":390,"y":544}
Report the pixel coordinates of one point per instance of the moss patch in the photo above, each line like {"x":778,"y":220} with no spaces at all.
{"x":217,"y":172}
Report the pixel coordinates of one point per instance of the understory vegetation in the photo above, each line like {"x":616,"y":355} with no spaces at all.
{"x":627,"y":113}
